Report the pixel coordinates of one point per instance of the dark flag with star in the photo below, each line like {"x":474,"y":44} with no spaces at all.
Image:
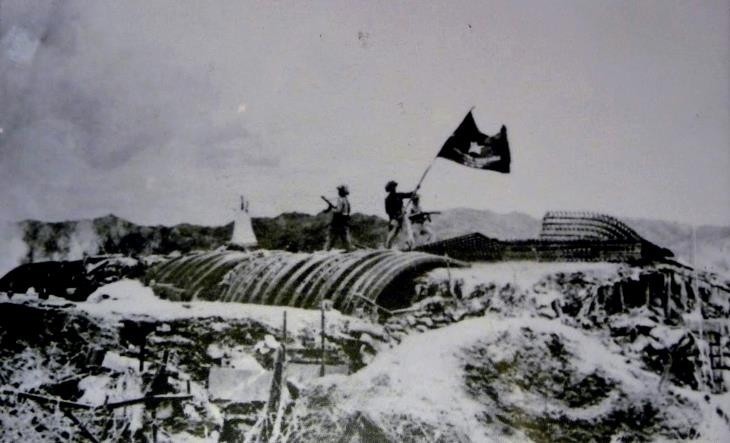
{"x":469,"y":147}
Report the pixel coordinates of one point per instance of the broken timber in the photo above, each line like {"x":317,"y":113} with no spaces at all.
{"x":147,"y":399}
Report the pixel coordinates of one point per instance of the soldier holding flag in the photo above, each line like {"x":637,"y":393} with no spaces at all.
{"x":466,"y":146}
{"x":394,"y":209}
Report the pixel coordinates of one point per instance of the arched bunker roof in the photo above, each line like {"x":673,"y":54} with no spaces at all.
{"x":292,"y":279}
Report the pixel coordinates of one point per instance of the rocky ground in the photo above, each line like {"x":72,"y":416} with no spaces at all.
{"x":497,"y":352}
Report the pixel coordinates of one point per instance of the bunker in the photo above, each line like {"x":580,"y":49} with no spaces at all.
{"x":348,"y":280}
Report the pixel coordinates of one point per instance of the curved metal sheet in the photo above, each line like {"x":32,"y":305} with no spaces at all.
{"x":421,"y":264}
{"x":321,"y":288}
{"x":213,"y":270}
{"x":246,"y":291}
{"x":284,"y":278}
{"x":241,"y":274}
{"x":365,"y":286}
{"x":273,"y":291}
{"x":286,"y":292}
{"x":304,"y":291}
{"x":343,"y":293}
{"x":259,"y":291}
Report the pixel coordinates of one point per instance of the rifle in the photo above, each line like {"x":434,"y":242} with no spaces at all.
{"x":422,"y":217}
{"x":330,"y":206}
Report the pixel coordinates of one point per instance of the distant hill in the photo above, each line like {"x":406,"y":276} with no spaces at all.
{"x":304,"y":232}
{"x":111,"y":235}
{"x":294,"y":231}
{"x":514,"y":225}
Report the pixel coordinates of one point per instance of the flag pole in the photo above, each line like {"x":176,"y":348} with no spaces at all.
{"x":428,"y":168}
{"x":418,"y":186}
{"x":420,"y":181}
{"x":423,"y":176}
{"x":406,"y":208}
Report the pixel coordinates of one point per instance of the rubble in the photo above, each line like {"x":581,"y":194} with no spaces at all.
{"x":225,"y":364}
{"x":633,"y":303}
{"x":503,"y":358}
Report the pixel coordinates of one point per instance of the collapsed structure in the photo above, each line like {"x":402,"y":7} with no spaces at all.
{"x":565,"y":236}
{"x":71,"y":279}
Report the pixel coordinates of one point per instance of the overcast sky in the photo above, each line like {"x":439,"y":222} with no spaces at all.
{"x":165,"y":111}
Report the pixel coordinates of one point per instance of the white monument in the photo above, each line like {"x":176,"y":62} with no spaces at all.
{"x":243,"y":235}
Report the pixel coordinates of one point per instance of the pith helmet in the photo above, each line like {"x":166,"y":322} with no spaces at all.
{"x":390,"y":186}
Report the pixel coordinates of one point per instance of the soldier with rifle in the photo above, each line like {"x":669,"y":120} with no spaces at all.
{"x":339,"y":228}
{"x":419,"y":221}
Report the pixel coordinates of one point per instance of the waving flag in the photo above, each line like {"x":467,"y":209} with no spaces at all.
{"x":469,"y":147}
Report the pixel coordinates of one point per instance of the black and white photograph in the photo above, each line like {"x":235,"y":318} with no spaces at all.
{"x":495,"y":221}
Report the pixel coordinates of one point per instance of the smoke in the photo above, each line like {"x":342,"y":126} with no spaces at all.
{"x":12,"y":247}
{"x":81,"y":100}
{"x":46,"y":244}
{"x":83,"y":241}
